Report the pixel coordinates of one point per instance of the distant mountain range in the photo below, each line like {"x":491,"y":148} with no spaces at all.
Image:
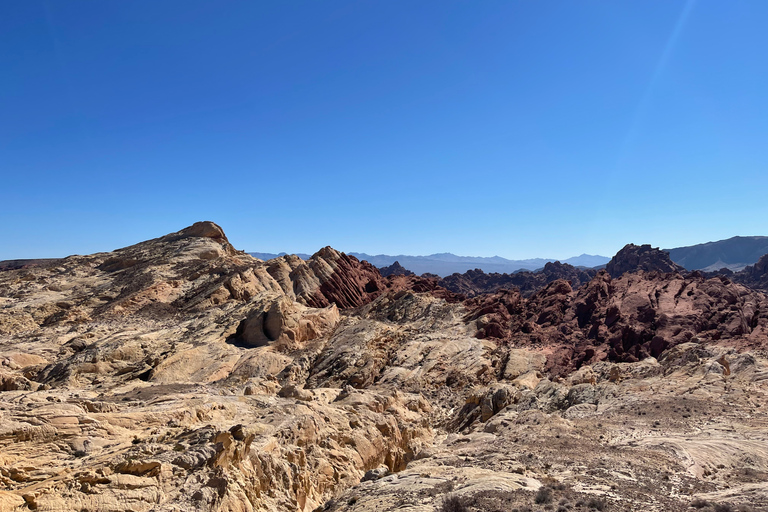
{"x":270,"y":255}
{"x":734,"y":253}
{"x":445,"y":264}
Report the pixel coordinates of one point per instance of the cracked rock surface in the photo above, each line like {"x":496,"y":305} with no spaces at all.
{"x":181,"y":374}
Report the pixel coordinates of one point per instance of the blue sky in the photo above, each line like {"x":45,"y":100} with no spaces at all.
{"x":511,"y":128}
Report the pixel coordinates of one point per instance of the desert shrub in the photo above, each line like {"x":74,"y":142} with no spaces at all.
{"x":452,"y":503}
{"x":707,"y":506}
{"x":596,"y":504}
{"x":543,"y":495}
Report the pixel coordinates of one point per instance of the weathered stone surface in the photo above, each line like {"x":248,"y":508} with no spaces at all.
{"x":287,"y":323}
{"x":641,"y":257}
{"x":755,"y":276}
{"x":627,"y":319}
{"x":395,"y":269}
{"x":476,"y":282}
{"x":181,"y":374}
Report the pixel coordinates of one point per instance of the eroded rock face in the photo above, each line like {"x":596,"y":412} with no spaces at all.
{"x":204,"y":229}
{"x":422,"y":284}
{"x":182,"y":374}
{"x":641,"y":257}
{"x":755,"y":276}
{"x":341,"y":279}
{"x":165,"y":376}
{"x":627,"y":319}
{"x":287,"y":324}
{"x":658,"y":424}
{"x":395,"y":269}
{"x":476,"y":282}
{"x":22,"y":264}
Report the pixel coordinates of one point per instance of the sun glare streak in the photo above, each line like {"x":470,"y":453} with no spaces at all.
{"x":643,"y":106}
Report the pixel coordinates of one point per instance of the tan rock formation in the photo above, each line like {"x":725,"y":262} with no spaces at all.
{"x":180,"y":374}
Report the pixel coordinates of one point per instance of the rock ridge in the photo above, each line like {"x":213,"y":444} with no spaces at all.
{"x":633,"y":257}
{"x":180,"y":374}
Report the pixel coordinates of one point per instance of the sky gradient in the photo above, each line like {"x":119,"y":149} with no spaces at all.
{"x":512,"y":128}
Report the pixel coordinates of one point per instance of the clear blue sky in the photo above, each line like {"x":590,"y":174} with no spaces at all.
{"x":517,"y":128}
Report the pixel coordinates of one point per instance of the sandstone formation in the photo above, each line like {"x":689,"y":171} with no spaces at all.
{"x":641,"y":257}
{"x":476,"y":282}
{"x":422,"y":284}
{"x":755,"y":276}
{"x":628,"y":319}
{"x":395,"y":269}
{"x":181,"y":374}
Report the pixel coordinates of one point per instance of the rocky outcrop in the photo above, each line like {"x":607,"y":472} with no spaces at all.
{"x":22,"y":264}
{"x":641,"y":257}
{"x":515,"y":447}
{"x":395,"y":269}
{"x":754,"y":276}
{"x":166,"y":375}
{"x":182,"y":374}
{"x":476,"y":282}
{"x":496,"y":315}
{"x":630,"y":318}
{"x":342,"y":280}
{"x":204,"y":229}
{"x":286,"y":323}
{"x":422,"y":284}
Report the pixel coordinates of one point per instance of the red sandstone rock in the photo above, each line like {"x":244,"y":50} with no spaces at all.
{"x":641,"y":257}
{"x":755,"y":276}
{"x":395,"y":269}
{"x":475,"y":282}
{"x":344,"y":280}
{"x":626,"y":319}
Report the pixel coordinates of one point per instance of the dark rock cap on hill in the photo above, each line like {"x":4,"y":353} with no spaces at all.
{"x":476,"y":282}
{"x":641,"y":257}
{"x":395,"y":269}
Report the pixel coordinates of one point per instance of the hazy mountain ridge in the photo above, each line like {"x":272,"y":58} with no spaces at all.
{"x":734,"y":253}
{"x":266,"y":256}
{"x":445,"y":264}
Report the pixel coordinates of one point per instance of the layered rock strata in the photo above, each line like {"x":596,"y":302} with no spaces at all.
{"x":182,"y":374}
